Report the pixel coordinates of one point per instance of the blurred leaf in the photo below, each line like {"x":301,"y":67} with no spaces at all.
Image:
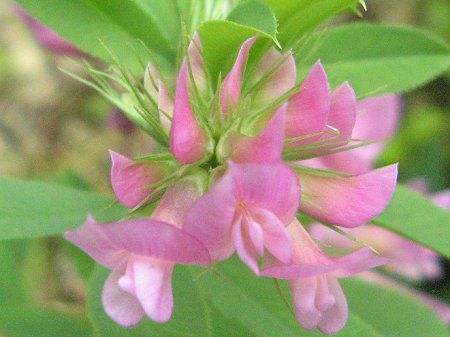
{"x":257,"y":15}
{"x":215,"y":307}
{"x":19,"y":315}
{"x":376,"y":59}
{"x":119,"y":24}
{"x":295,"y":18}
{"x":391,"y":313}
{"x":34,"y":209}
{"x":414,"y":216}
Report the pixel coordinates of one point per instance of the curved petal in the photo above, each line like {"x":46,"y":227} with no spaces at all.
{"x":187,"y":139}
{"x":129,"y":182}
{"x":232,"y":85}
{"x":106,"y":242}
{"x":279,"y":194}
{"x":197,"y":64}
{"x":278,"y":83}
{"x":264,"y":148}
{"x":304,"y":296}
{"x":153,"y":287}
{"x":210,"y":219}
{"x":89,"y":238}
{"x":243,"y":245}
{"x":121,"y":306}
{"x":276,"y":237}
{"x":377,"y":118}
{"x":308,"y":110}
{"x":349,"y":202}
{"x":343,"y":111}
{"x":334,"y":318}
{"x":165,"y":107}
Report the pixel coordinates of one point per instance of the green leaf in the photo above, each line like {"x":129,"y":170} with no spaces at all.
{"x":257,"y":15}
{"x":191,"y":316}
{"x":391,"y":313}
{"x":119,"y":24}
{"x":221,"y":41}
{"x":412,"y":215}
{"x":295,"y":18}
{"x":34,"y":209}
{"x":239,"y":305}
{"x":376,"y":59}
{"x":19,"y":315}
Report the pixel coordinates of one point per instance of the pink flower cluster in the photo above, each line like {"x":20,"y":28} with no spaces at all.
{"x":244,"y":159}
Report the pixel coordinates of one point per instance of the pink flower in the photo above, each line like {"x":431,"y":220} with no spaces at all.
{"x":247,"y":211}
{"x":141,"y":254}
{"x":318,"y":298}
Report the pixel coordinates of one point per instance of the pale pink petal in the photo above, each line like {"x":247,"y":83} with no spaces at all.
{"x":334,"y":318}
{"x":255,"y":235}
{"x":273,"y":187}
{"x":151,"y":79}
{"x":280,"y":82}
{"x":324,"y":296}
{"x":419,"y":185}
{"x":121,"y":306}
{"x":243,"y":246}
{"x":343,"y":111}
{"x":178,"y":199}
{"x":276,"y":237}
{"x":165,"y":106}
{"x":263,"y":148}
{"x":304,"y":296}
{"x":129,"y":182}
{"x":197,"y":65}
{"x":232,"y":85}
{"x":187,"y":139}
{"x":308,"y":110}
{"x":377,"y":118}
{"x":107,"y":242}
{"x":349,"y":202}
{"x":90,"y":238}
{"x":153,"y":287}
{"x":210,"y":219}
{"x":442,"y":199}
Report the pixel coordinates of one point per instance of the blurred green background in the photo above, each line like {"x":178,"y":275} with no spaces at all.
{"x":55,"y":129}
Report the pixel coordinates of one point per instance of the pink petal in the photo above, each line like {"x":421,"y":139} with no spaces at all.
{"x":153,"y":286}
{"x":187,"y":139}
{"x":334,"y":318}
{"x":264,"y":148}
{"x":349,"y":202}
{"x":177,"y":200}
{"x":276,"y":236}
{"x":343,"y":111}
{"x":197,"y":64}
{"x":165,"y":104}
{"x":442,"y":199}
{"x":377,"y":118}
{"x":232,"y":84}
{"x":129,"y":182}
{"x":107,"y":242}
{"x":280,"y":82}
{"x":279,"y":193}
{"x":304,"y":296}
{"x":243,"y":246}
{"x":90,"y":239}
{"x":308,"y":110}
{"x":210,"y":219}
{"x":310,"y":261}
{"x":121,"y":306}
